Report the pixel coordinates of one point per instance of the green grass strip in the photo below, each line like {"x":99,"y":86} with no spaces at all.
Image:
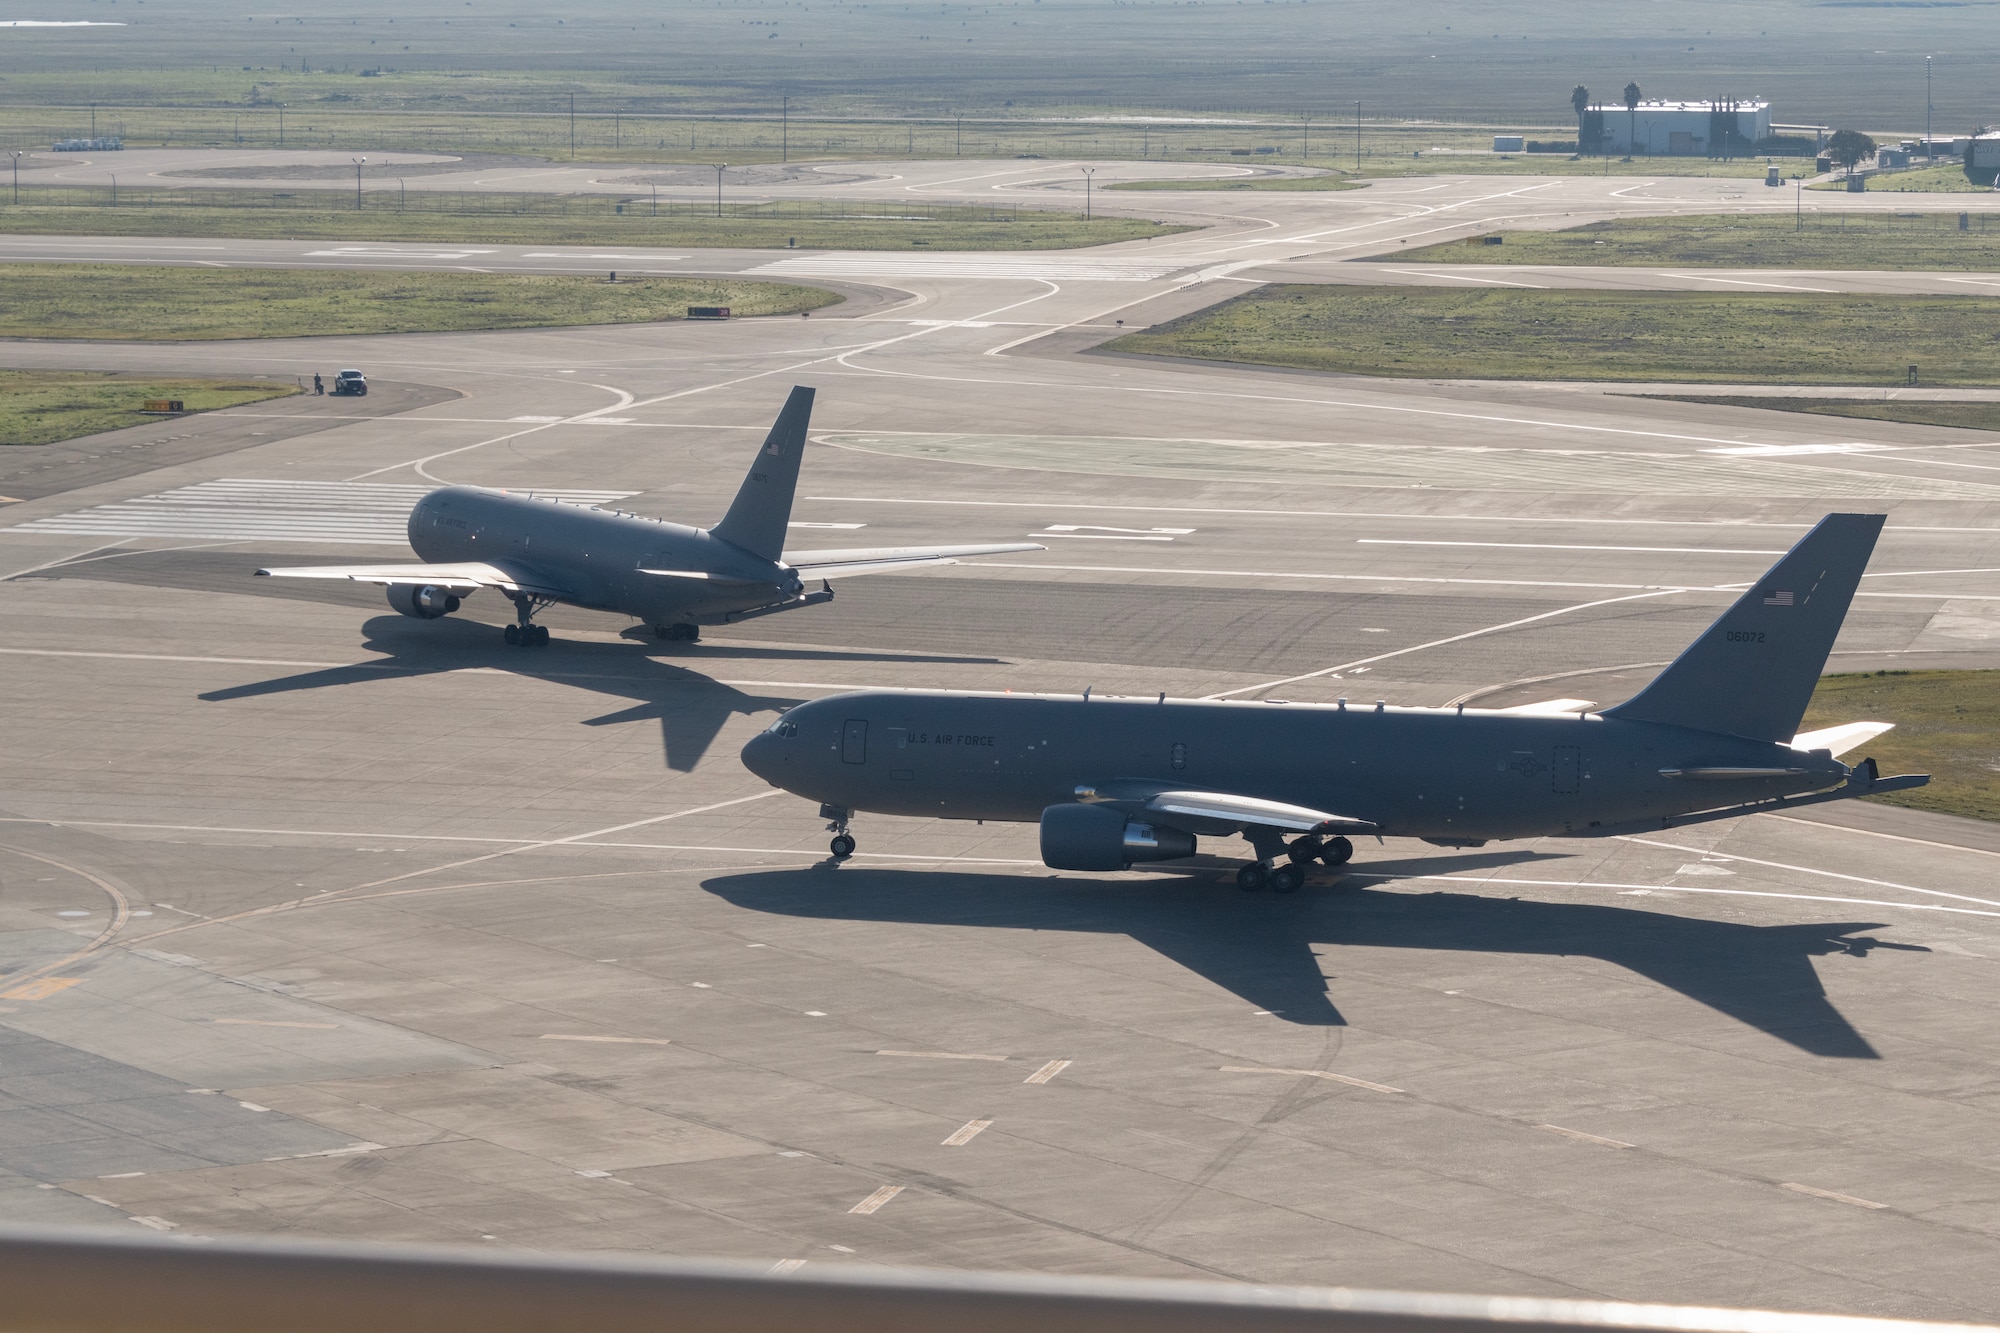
{"x":1664,"y":337}
{"x":44,"y":406}
{"x":1928,"y":240}
{"x":1947,"y":725}
{"x":113,"y":302}
{"x":1918,"y":412}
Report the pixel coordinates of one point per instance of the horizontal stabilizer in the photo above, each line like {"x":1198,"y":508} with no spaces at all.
{"x":459,"y":578}
{"x":1837,"y":741}
{"x":883,"y":559}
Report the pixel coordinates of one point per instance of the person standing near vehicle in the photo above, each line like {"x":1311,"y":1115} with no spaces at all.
{"x":319,"y":385}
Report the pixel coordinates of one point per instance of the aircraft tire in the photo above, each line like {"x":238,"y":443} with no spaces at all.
{"x":842,"y":847}
{"x":538,"y":636}
{"x":1339,"y":851}
{"x":512,"y":634}
{"x":1286,"y":879}
{"x":1251,"y":877}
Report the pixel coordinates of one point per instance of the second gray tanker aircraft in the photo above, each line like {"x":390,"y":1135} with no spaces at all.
{"x":1113,"y":782}
{"x":675,"y":578}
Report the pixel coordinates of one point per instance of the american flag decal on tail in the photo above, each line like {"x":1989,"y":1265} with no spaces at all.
{"x":1778,"y":599}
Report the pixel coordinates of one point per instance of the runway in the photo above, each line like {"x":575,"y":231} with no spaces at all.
{"x":322,"y":921}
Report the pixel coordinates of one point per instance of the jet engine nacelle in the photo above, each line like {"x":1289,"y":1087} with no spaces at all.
{"x":1096,"y":837}
{"x":422,"y":601}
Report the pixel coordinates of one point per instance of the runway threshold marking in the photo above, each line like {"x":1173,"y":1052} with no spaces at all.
{"x":966,"y":1133}
{"x":1047,"y":1071}
{"x":619,"y":1041}
{"x":1587,"y":1138}
{"x":1313,"y":1073}
{"x":876,"y":1200}
{"x":1834,"y":1195}
{"x":940,"y":1055}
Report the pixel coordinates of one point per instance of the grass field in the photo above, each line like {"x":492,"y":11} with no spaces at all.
{"x":1926,"y":180}
{"x":44,"y":406}
{"x":1947,"y":725}
{"x":1695,"y":337}
{"x":552,"y":219}
{"x":1965,"y":416}
{"x":105,"y":301}
{"x":1826,"y":240}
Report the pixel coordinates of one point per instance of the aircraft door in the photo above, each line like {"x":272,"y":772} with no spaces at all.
{"x":854,"y":741}
{"x":1568,"y":764}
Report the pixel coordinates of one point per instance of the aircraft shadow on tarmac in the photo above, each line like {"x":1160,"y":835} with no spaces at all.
{"x":692,"y":709}
{"x":1261,"y":948}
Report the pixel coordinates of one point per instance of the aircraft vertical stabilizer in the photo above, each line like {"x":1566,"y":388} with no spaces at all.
{"x":1753,"y":672}
{"x":763,"y":505}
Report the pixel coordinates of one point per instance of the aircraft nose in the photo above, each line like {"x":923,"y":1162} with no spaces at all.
{"x":762,"y":757}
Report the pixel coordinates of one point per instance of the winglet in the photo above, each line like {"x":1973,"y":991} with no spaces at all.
{"x":763,"y":505}
{"x":1753,"y":671}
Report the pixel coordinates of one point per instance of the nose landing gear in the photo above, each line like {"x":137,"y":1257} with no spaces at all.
{"x":842,"y":845}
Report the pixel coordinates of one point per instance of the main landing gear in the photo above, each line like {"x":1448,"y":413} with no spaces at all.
{"x":842,"y":845}
{"x":524,"y":632}
{"x":1289,"y":876}
{"x":682,"y":633}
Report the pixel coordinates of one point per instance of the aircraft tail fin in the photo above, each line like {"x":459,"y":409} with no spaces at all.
{"x":763,"y":506}
{"x":1752,"y":672}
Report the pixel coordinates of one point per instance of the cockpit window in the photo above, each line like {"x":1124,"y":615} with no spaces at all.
{"x":783,"y":728}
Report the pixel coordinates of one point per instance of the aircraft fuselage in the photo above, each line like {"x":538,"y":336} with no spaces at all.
{"x":599,"y":554}
{"x":1414,"y":772}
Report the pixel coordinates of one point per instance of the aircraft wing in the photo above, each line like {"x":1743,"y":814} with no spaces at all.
{"x":458,"y":578}
{"x":880,"y":559}
{"x":1225,"y":807}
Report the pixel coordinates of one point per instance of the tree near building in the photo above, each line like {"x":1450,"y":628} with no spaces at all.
{"x":1849,"y":148}
{"x":1631,"y":119}
{"x":1579,"y":98}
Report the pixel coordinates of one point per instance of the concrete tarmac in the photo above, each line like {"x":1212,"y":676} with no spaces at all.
{"x":322,"y":921}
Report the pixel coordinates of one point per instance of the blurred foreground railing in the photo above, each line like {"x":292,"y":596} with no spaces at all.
{"x":56,"y":1281}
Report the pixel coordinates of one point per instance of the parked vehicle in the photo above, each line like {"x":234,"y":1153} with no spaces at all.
{"x":350,"y":383}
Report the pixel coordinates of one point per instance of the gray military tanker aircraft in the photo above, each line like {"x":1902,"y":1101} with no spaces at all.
{"x":537,"y":552}
{"x":1117,"y":781}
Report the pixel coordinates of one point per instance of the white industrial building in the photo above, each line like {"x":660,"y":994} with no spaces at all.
{"x":1680,"y":129}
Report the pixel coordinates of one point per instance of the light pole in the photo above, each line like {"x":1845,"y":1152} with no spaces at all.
{"x":1306,"y":147}
{"x":785,"y":132}
{"x":114,"y":189}
{"x":1357,"y":134}
{"x":656,"y":199}
{"x":1928,"y":108}
{"x":281,"y":124}
{"x":357,"y":182}
{"x":17,"y":177}
{"x":720,"y":167}
{"x":1088,"y":172}
{"x":1799,"y":193}
{"x":572,"y":127}
{"x":402,"y":194}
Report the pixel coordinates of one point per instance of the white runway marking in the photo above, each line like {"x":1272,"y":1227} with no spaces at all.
{"x":1313,"y":1073}
{"x":1743,"y":282}
{"x":940,"y":1055}
{"x":1587,"y":1138}
{"x":965,"y":1133}
{"x":1044,"y":268}
{"x":1797,"y":1188}
{"x":876,"y":1200}
{"x":1461,"y":277}
{"x":1554,"y":546}
{"x":236,"y":509}
{"x":618,"y":1041}
{"x":1047,"y":1071}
